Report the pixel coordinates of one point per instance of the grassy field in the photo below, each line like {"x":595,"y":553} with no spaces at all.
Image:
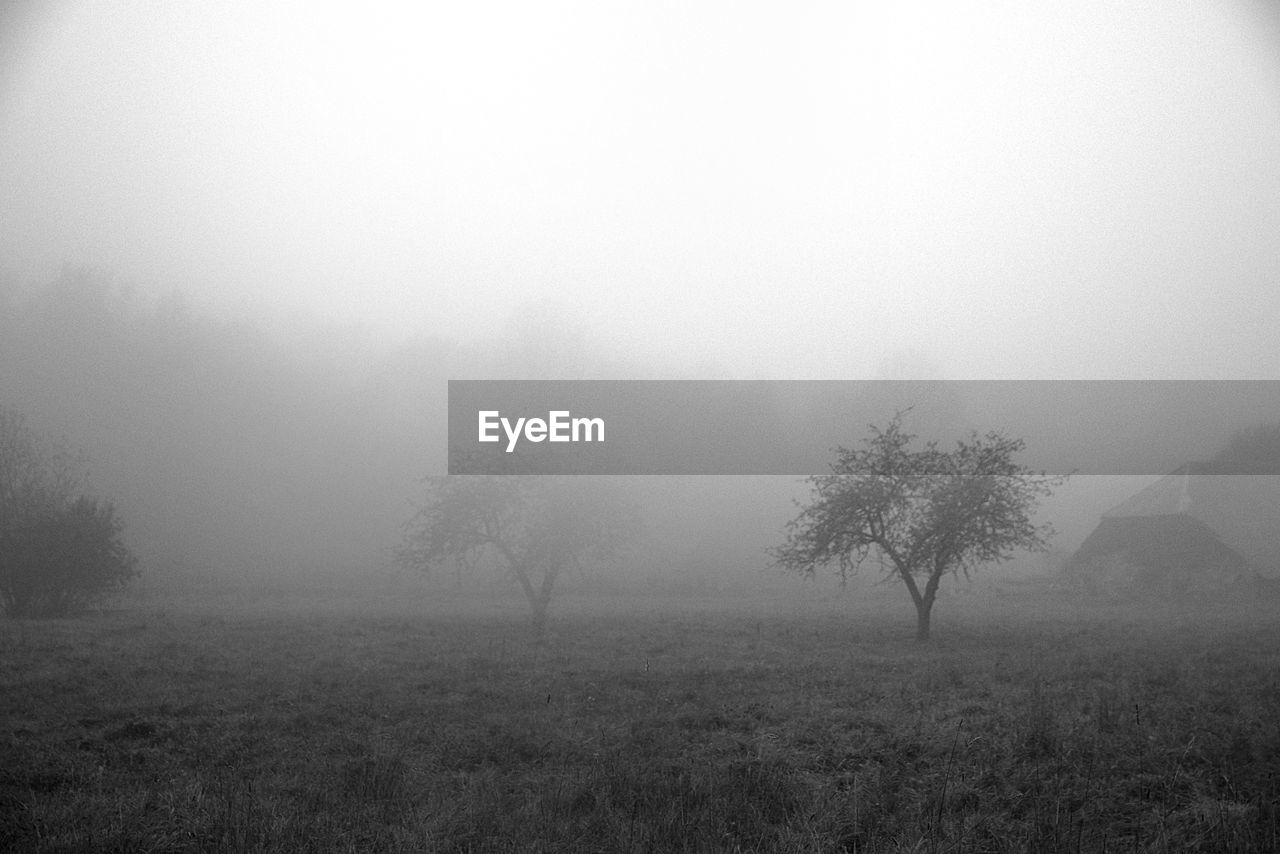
{"x":697,"y":725}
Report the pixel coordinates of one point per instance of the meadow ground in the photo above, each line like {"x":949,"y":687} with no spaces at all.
{"x":698,"y":724}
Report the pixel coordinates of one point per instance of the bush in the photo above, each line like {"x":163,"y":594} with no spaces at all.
{"x":59,"y":551}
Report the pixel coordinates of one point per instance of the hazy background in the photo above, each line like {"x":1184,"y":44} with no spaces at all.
{"x":244,"y":245}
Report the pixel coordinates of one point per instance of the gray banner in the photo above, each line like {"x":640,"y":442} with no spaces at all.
{"x":717,"y":427}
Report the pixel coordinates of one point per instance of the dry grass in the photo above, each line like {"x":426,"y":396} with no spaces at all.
{"x":817,"y":727}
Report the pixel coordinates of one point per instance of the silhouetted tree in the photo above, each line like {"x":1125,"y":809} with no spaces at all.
{"x":920,"y":514}
{"x":535,"y":526}
{"x":58,"y":551}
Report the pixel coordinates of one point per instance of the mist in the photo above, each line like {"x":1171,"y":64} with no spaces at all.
{"x":1051,"y":193}
{"x":241,"y":455}
{"x":245,"y":247}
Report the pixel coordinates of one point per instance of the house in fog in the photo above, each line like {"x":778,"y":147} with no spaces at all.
{"x":1205,"y":529}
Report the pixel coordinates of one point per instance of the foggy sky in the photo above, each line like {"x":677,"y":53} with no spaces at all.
{"x":312,"y":215}
{"x":818,"y":190}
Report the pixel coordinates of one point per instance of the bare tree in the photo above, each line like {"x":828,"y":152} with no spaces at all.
{"x":919,"y":514}
{"x":536,"y":526}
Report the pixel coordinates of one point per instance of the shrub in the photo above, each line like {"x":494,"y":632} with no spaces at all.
{"x":59,"y":551}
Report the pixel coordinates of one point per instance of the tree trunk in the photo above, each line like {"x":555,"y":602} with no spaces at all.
{"x":923,"y":601}
{"x":538,"y":601}
{"x":542,"y":599}
{"x":922,"y":620}
{"x":539,"y":618}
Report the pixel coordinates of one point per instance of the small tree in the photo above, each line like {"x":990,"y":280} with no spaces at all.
{"x":536,"y":526}
{"x":58,"y":551}
{"x":920,"y":514}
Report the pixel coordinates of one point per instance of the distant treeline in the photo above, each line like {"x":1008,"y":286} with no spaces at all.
{"x":236,"y":451}
{"x":227,"y":447}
